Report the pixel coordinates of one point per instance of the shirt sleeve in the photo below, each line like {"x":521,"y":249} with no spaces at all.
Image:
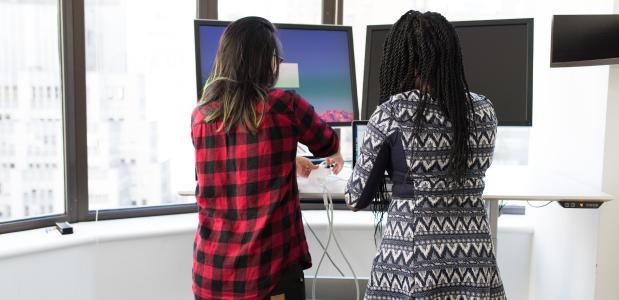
{"x":319,"y":137}
{"x":374,"y":158}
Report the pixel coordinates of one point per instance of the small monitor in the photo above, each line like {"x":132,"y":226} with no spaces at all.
{"x":498,"y":63}
{"x":318,"y":65}
{"x":358,"y":130}
{"x":584,"y":40}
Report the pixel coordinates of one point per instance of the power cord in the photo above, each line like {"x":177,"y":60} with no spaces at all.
{"x":328,"y":202}
{"x":322,"y":246}
{"x":539,"y":206}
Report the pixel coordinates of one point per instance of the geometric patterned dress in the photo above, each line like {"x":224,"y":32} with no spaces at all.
{"x":436,"y":243}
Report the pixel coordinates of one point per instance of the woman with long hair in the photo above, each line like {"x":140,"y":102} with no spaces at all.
{"x":435,"y":139}
{"x":250,"y":242}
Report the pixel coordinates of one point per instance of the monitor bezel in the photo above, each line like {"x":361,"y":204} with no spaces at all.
{"x":528,"y":22}
{"x":556,"y":63}
{"x":351,"y":56}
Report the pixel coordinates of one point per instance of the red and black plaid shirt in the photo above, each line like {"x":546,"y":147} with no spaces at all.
{"x":250,"y":221}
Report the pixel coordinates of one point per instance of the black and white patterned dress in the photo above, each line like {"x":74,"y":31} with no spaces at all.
{"x":436,"y":243}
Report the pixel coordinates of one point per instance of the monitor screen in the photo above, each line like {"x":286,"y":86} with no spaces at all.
{"x":318,"y":65}
{"x":498,"y":63}
{"x":585,"y":40}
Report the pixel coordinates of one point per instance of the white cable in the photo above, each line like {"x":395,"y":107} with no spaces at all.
{"x":337,"y":243}
{"x":328,"y":202}
{"x":97,"y":228}
{"x":306,"y":224}
{"x":324,"y":199}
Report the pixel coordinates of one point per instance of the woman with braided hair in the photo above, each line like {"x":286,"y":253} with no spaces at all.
{"x":435,"y":139}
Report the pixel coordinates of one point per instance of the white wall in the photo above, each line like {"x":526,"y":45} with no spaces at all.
{"x":563,"y":254}
{"x":141,"y":268}
{"x":49,"y":275}
{"x":608,"y":246}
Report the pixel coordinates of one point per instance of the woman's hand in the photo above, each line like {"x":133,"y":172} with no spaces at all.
{"x":354,"y":209}
{"x":337,"y":160}
{"x":304,"y":166}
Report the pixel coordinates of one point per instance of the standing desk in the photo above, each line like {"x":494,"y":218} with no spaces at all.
{"x":502,"y":183}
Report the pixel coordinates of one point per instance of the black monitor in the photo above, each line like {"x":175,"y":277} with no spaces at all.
{"x":318,"y":64}
{"x":584,"y":40}
{"x":498,"y":62}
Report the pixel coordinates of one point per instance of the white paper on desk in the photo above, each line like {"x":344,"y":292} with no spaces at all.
{"x":335,"y":184}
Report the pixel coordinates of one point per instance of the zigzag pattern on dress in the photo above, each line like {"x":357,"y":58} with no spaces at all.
{"x":436,"y":243}
{"x":380,"y":126}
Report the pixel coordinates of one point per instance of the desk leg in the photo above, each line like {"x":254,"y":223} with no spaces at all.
{"x":493,"y":218}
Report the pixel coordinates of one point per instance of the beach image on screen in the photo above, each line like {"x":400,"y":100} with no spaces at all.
{"x":316,"y":66}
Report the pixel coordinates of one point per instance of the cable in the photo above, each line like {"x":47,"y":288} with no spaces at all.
{"x":328,"y":202}
{"x":539,"y":206}
{"x":322,"y":246}
{"x":337,"y":243}
{"x":324,"y":198}
{"x":97,"y":228}
{"x":502,"y":204}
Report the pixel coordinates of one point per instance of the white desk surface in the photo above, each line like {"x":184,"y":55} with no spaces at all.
{"x":502,"y":183}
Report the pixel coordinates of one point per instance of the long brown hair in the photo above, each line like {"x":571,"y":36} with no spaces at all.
{"x":243,"y":73}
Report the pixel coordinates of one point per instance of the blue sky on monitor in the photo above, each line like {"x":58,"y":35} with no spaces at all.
{"x":322,"y":56}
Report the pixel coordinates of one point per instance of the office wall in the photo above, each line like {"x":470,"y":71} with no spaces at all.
{"x":608,"y":246}
{"x":141,"y":268}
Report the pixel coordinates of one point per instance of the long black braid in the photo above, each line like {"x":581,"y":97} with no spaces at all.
{"x":422,"y":52}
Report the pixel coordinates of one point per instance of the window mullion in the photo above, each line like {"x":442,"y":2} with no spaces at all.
{"x":206,"y":9}
{"x":331,"y":8}
{"x":73,"y":66}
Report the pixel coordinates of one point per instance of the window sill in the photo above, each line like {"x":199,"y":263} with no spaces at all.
{"x":49,"y":239}
{"x":46,"y":239}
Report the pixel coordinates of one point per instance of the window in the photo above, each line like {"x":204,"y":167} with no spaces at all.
{"x":141,"y":89}
{"x":31,"y":153}
{"x":276,"y":11}
{"x":140,"y":92}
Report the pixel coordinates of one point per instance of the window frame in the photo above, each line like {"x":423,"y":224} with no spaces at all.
{"x":68,"y":16}
{"x":72,"y":46}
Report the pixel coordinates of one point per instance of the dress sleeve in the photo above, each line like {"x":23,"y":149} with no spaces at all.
{"x":374,"y":158}
{"x":319,"y":137}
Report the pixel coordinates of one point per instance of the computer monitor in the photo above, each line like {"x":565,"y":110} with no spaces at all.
{"x":584,"y":40}
{"x":498,"y":62}
{"x":318,"y":65}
